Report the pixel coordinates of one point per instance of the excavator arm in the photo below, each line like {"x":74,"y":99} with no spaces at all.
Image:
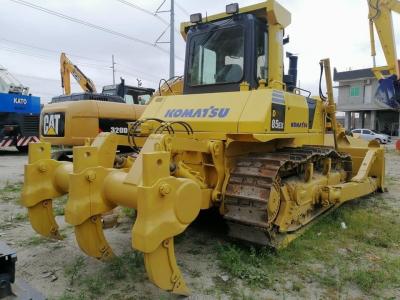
{"x":67,"y":68}
{"x":380,"y":16}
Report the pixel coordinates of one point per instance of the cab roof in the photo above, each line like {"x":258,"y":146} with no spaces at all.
{"x":271,"y":11}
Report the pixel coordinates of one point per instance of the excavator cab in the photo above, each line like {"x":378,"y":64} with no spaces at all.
{"x":381,"y":21}
{"x":130,"y":94}
{"x":388,"y":92}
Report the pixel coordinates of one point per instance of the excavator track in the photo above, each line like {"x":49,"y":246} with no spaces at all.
{"x":252,"y":199}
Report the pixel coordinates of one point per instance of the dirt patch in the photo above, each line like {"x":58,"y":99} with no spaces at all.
{"x":327,"y":262}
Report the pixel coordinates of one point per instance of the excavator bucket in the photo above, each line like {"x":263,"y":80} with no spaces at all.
{"x":388,"y":92}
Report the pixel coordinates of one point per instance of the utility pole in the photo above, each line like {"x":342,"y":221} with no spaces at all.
{"x":171,"y":36}
{"x":113,"y":69}
{"x":172,"y":41}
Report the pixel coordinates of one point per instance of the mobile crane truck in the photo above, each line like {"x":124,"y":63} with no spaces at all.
{"x":241,"y":138}
{"x":19,"y":113}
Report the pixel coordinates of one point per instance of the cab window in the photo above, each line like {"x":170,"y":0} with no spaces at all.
{"x":217,"y":57}
{"x":129,"y":99}
{"x":262,"y":59}
{"x":143,"y":99}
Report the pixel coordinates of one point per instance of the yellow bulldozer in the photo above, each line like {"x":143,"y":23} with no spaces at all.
{"x":241,"y":138}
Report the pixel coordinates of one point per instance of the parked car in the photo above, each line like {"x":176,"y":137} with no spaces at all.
{"x":369,"y":135}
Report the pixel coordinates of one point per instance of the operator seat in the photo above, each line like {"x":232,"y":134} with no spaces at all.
{"x":229,"y":73}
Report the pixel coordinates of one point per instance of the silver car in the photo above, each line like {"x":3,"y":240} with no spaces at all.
{"x":369,"y":135}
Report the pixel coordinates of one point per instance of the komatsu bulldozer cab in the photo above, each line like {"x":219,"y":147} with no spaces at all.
{"x":226,"y":50}
{"x":222,"y":54}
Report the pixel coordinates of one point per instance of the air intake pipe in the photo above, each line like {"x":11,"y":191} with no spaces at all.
{"x":292,"y":73}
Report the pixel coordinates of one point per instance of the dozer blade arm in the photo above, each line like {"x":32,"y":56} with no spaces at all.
{"x":165,"y":206}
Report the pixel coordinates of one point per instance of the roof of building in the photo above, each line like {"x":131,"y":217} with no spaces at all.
{"x":352,"y":75}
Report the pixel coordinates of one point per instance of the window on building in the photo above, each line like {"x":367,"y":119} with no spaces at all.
{"x":354,"y":91}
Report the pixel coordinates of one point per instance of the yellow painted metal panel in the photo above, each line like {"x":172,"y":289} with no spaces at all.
{"x":213,"y":112}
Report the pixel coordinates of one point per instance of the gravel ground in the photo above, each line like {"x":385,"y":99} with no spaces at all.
{"x":61,"y":271}
{"x":11,"y":166}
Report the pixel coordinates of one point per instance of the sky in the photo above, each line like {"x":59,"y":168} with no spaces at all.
{"x":31,"y":40}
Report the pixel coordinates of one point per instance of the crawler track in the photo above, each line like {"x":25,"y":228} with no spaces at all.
{"x":252,"y":198}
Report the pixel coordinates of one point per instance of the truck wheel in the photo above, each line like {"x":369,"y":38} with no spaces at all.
{"x":22,"y":149}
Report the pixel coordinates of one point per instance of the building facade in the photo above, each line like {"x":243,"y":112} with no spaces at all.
{"x":356,"y":98}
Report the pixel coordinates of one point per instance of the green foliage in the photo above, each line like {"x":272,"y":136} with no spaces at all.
{"x":246,"y":264}
{"x":36,"y":240}
{"x":127,"y":266}
{"x":74,"y":271}
{"x":377,"y":276}
{"x":20,"y":217}
{"x":129,"y":212}
{"x":70,"y":296}
{"x":327,"y":254}
{"x":10,"y":192}
{"x":59,"y":205}
{"x":12,"y":187}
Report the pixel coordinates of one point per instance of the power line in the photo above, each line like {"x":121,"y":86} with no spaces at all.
{"x":13,"y":50}
{"x":144,"y":10}
{"x":20,"y":51}
{"x":147,"y":76}
{"x":154,"y":14}
{"x":182,"y":9}
{"x":47,"y":57}
{"x":87,"y":24}
{"x":51,"y":50}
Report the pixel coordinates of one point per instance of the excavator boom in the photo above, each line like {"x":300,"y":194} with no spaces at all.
{"x":380,"y":17}
{"x":67,"y":68}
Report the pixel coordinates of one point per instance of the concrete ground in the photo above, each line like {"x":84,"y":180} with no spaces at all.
{"x":11,"y":166}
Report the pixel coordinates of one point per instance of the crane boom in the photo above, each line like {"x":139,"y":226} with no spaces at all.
{"x":67,"y":68}
{"x":380,"y":16}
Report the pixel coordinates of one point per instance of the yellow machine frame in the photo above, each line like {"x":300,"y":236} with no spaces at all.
{"x":211,"y":150}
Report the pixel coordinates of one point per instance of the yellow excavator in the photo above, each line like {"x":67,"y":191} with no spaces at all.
{"x":380,"y":17}
{"x":108,"y":111}
{"x":241,"y":138}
